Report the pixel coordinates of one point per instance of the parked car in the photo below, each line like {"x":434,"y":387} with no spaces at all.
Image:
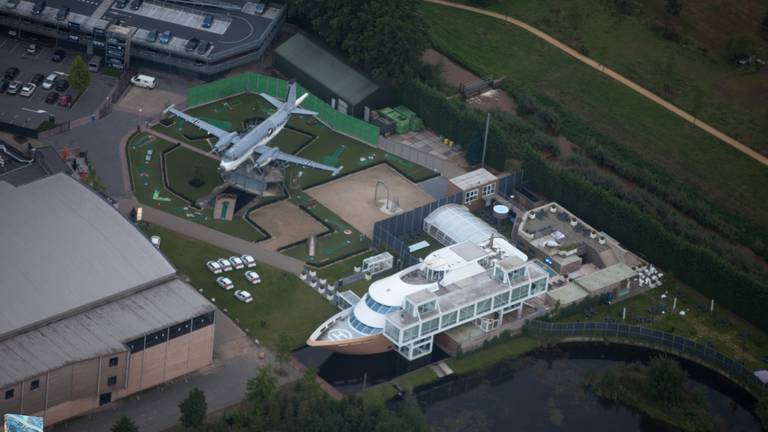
{"x":261,"y":7}
{"x":37,"y":79}
{"x":152,"y":36}
{"x":237,"y":262}
{"x":61,"y":85}
{"x":4,"y":85}
{"x":225,"y":264}
{"x":165,"y":37}
{"x":52,"y":98}
{"x":62,"y":13}
{"x":225,"y":282}
{"x":121,"y":4}
{"x":213,"y":267}
{"x":65,"y":101}
{"x":204,"y":47}
{"x":31,"y":49}
{"x":155,"y":240}
{"x":39,"y":7}
{"x":58,"y":56}
{"x":243,"y":296}
{"x":248,"y":261}
{"x":136,"y":4}
{"x":12,"y":32}
{"x":121,"y":21}
{"x":28,"y":89}
{"x":11,"y":73}
{"x":49,"y":81}
{"x":144,"y":81}
{"x":14,"y":87}
{"x":191,"y":44}
{"x":207,"y":21}
{"x":253,"y":277}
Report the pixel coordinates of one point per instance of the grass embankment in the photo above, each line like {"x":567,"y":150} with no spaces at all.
{"x":147,"y":176}
{"x":283,"y":302}
{"x":723,"y":329}
{"x":688,"y":67}
{"x":684,"y":152}
{"x":497,"y":351}
{"x":627,"y":384}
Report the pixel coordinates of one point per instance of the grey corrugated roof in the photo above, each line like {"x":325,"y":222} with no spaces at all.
{"x":326,"y":68}
{"x":99,"y":331}
{"x":605,"y":277}
{"x":62,"y":249}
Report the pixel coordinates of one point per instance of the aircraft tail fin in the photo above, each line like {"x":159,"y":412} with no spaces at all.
{"x":291,"y":101}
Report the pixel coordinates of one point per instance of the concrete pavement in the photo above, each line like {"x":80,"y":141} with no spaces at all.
{"x":614,"y":75}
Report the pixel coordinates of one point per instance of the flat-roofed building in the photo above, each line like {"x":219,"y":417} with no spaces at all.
{"x":476,"y":186}
{"x":91,"y":311}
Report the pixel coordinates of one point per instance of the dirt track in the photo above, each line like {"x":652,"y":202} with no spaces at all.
{"x":286,"y":223}
{"x":613,"y":74}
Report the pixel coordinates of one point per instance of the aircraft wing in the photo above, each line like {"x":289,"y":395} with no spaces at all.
{"x":211,"y":129}
{"x":285,"y":157}
{"x":302,"y":111}
{"x":277,"y":103}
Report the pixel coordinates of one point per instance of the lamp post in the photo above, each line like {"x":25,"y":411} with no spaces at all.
{"x":141,"y":110}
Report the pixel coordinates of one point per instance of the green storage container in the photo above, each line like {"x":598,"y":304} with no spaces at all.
{"x":417,"y":124}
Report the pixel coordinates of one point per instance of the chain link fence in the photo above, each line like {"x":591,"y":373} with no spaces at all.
{"x":668,"y":342}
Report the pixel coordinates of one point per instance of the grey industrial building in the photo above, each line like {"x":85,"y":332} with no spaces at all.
{"x":91,"y":311}
{"x":329,"y":78}
{"x":240,"y":32}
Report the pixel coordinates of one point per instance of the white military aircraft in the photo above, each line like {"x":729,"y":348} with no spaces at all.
{"x":236,"y":148}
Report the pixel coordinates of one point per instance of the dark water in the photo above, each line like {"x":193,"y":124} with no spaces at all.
{"x":349,"y":373}
{"x":544,"y":392}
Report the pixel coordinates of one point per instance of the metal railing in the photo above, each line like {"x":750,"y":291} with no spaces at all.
{"x":663,"y":341}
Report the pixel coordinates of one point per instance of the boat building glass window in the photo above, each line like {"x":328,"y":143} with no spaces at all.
{"x":378,"y":307}
{"x":361,"y":327}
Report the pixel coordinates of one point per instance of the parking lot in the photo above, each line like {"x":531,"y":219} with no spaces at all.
{"x":31,"y":111}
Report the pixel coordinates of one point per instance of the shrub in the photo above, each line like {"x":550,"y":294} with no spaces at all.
{"x":525,"y":104}
{"x":548,"y":119}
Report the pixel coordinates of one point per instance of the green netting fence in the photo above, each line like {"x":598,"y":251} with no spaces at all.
{"x":253,"y":82}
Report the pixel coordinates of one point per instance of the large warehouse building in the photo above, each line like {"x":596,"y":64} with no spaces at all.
{"x":91,"y":311}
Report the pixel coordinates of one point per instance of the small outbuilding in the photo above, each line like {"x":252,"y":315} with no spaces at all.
{"x":330,"y":78}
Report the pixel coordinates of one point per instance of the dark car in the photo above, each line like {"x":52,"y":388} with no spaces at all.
{"x":136,"y":4}
{"x":152,"y":36}
{"x":62,"y":13}
{"x":39,"y":7}
{"x":4,"y":85}
{"x":61,"y":85}
{"x":58,"y":56}
{"x":121,"y":4}
{"x":191,"y":44}
{"x":52,"y":98}
{"x":203,"y":47}
{"x":11,"y":73}
{"x":37,"y":79}
{"x":208,"y":21}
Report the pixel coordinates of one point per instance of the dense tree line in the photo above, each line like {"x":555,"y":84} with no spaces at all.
{"x":385,"y":37}
{"x":602,"y":201}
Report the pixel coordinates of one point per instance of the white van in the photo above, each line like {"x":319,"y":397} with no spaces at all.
{"x":94,"y":64}
{"x":144,"y":81}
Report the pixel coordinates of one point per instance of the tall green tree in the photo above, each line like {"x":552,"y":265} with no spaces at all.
{"x":665,"y":379}
{"x":764,"y":25}
{"x":262,"y":387}
{"x":283,"y":349}
{"x":674,"y":7}
{"x":79,"y":75}
{"x":193,"y":409}
{"x":124,"y":424}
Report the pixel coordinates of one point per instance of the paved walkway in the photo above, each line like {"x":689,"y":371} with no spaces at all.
{"x":613,"y":74}
{"x":208,"y":235}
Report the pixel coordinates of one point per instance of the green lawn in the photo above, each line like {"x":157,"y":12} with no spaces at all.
{"x":491,"y":47}
{"x":331,"y":246}
{"x":739,"y":340}
{"x":692,"y":74}
{"x":466,"y":364}
{"x":149,"y":189}
{"x":281,"y":300}
{"x":343,"y":268}
{"x":183,"y":166}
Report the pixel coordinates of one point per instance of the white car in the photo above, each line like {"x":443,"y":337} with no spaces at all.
{"x":28,"y":89}
{"x":225,"y":264}
{"x":225,"y":282}
{"x":213,"y":266}
{"x":253,"y":277}
{"x":237,"y":262}
{"x":243,"y":296}
{"x":50,"y":80}
{"x":248,"y":261}
{"x":155,"y":241}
